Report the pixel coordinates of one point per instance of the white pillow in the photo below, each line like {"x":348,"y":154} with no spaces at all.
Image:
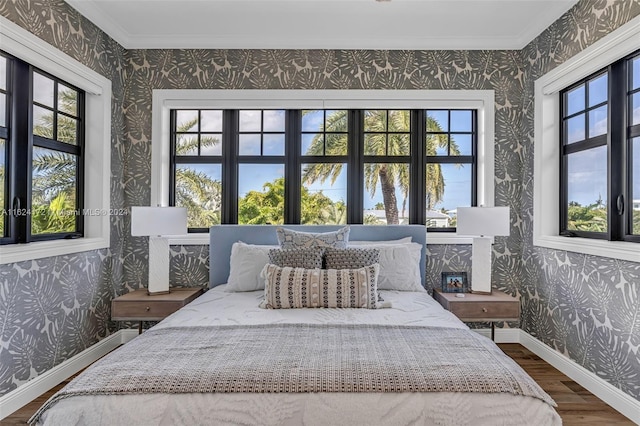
{"x":368,"y":243}
{"x":399,"y":266}
{"x":245,"y":265}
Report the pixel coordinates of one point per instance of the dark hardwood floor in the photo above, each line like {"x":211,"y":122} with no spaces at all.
{"x":576,"y":405}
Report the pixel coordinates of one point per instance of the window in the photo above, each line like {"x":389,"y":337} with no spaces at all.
{"x":82,"y":105}
{"x":323,"y":166}
{"x":42,"y":179}
{"x":599,"y":177}
{"x":548,"y":201}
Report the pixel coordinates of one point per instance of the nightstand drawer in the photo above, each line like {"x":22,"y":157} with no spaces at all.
{"x":149,"y":310}
{"x":485,"y":310}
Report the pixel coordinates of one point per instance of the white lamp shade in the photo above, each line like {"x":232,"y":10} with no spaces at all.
{"x":153,"y":221}
{"x":485,"y":221}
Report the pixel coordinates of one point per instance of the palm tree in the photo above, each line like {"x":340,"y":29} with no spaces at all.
{"x":387,"y":174}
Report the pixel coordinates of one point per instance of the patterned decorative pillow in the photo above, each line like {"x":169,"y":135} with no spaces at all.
{"x":290,"y":239}
{"x":350,"y":258}
{"x":320,"y":288}
{"x":308,"y":258}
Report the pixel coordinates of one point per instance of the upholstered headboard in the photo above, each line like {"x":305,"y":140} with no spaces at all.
{"x":222,"y":238}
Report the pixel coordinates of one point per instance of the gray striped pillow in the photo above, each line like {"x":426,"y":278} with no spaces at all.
{"x":287,"y":287}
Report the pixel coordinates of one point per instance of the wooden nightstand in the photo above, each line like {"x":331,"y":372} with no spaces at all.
{"x":139,"y":306}
{"x":497,"y":306}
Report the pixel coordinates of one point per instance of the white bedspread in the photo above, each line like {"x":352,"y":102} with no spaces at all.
{"x":222,"y":308}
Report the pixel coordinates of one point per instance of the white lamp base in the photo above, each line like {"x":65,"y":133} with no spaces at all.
{"x":481,"y":265}
{"x":158,"y":266}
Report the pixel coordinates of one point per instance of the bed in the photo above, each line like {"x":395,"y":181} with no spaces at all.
{"x":205,"y":363}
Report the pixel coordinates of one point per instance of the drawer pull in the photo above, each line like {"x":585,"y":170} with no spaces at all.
{"x":148,"y":309}
{"x":484,"y":309}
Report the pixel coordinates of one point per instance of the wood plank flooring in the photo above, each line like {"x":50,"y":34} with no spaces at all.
{"x":576,"y":405}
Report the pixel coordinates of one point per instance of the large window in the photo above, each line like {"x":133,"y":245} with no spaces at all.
{"x":41,"y":154}
{"x":323,"y":166}
{"x":600,"y":175}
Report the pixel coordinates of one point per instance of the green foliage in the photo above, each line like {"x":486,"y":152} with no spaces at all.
{"x":267,"y":207}
{"x":591,"y":218}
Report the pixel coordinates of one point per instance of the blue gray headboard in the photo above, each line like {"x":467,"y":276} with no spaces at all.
{"x":222,"y":238}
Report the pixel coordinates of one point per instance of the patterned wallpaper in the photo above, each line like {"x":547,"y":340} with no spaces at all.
{"x":53,"y":308}
{"x":563,"y":302}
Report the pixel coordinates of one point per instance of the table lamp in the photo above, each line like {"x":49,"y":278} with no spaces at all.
{"x":482,"y":223}
{"x":156,"y":223}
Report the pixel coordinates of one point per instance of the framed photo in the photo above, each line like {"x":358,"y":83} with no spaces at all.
{"x":454,"y":282}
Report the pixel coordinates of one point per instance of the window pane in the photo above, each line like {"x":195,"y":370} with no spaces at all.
{"x":576,"y":100}
{"x":437,"y":144}
{"x":587,"y":190}
{"x":67,"y":129}
{"x":42,"y":90}
{"x":261,"y":194}
{"x":274,"y":121}
{"x":312,"y":144}
{"x":211,"y":144}
{"x":211,"y":121}
{"x":386,"y":194}
{"x":437,"y":121}
{"x":3,"y":110}
{"x":42,"y":122}
{"x":53,"y":197}
{"x":3,"y":73}
{"x":199,"y":189}
{"x":186,"y":144}
{"x":461,"y":145}
{"x":336,"y":121}
{"x":375,"y":144}
{"x":635,"y":108}
{"x":67,"y":100}
{"x":598,"y":91}
{"x":324,"y":194}
{"x":399,"y":144}
{"x":575,"y":129}
{"x":3,"y":197}
{"x":312,"y":120}
{"x":598,"y":121}
{"x":448,"y":187}
{"x":461,"y":121}
{"x":400,"y":121}
{"x":635,"y":73}
{"x":336,"y":144}
{"x":186,"y":121}
{"x":249,"y":144}
{"x":635,"y":189}
{"x":273,"y":144}
{"x":250,"y":121}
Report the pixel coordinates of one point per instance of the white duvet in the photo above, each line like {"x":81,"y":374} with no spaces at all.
{"x":217,"y":307}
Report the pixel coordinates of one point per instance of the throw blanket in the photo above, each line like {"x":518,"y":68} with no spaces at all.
{"x":304,"y":358}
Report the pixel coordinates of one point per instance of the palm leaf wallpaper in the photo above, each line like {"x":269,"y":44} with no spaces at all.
{"x":586,"y":307}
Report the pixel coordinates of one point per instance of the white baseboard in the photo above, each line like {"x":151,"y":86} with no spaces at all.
{"x":617,"y":399}
{"x":503,"y":335}
{"x":29,"y":391}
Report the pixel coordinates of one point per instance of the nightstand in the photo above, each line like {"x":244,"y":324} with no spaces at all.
{"x":497,"y":306}
{"x":140,"y":306}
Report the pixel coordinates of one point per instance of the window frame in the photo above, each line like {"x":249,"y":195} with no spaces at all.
{"x":18,"y":42}
{"x":546,"y":210}
{"x":166,"y":99}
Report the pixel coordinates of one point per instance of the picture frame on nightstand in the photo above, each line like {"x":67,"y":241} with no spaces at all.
{"x":454,"y":282}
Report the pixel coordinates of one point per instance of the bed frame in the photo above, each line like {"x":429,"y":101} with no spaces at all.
{"x":222,"y":238}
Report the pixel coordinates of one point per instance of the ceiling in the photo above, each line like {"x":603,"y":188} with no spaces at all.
{"x":323,"y":24}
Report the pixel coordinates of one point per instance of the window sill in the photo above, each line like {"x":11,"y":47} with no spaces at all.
{"x":613,"y":249}
{"x":432,"y":238}
{"x":41,"y":249}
